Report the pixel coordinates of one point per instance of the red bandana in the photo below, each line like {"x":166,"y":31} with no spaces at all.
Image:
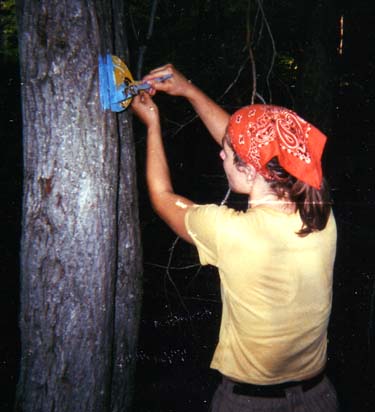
{"x":260,"y":132}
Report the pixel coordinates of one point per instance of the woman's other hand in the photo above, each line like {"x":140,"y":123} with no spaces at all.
{"x":145,"y":109}
{"x":177,"y":85}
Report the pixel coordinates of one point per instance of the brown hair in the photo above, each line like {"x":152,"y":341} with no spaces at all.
{"x":314,"y":205}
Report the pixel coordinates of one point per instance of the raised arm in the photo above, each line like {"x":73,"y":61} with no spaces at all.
{"x":212,"y":115}
{"x":168,"y":205}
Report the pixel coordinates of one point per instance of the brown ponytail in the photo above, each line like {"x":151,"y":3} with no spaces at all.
{"x":314,"y":205}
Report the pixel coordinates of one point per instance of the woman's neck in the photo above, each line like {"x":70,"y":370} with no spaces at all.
{"x":261,"y":195}
{"x":281,"y":205}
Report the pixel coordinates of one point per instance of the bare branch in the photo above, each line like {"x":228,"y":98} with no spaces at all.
{"x":230,"y":86}
{"x":169,"y":277}
{"x":260,"y":5}
{"x":157,"y":265}
{"x":143,"y":48}
{"x":134,"y":30}
{"x":251,"y":54}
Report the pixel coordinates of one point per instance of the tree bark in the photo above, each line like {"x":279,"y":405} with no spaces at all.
{"x":129,"y":263}
{"x":74,"y":182}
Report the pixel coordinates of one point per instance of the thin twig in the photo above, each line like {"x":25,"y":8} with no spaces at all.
{"x":258,"y":33}
{"x":169,"y":277}
{"x":226,"y":91}
{"x":194,"y":276}
{"x":251,"y":54}
{"x":260,"y":5}
{"x":182,"y":126}
{"x":143,"y":48}
{"x":260,"y":97}
{"x":253,"y":70}
{"x":135,"y":32}
{"x":202,"y":299}
{"x":230,"y":86}
{"x":157,"y":265}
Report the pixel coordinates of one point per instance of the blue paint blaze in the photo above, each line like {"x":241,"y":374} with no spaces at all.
{"x":110,"y":95}
{"x":103,"y":83}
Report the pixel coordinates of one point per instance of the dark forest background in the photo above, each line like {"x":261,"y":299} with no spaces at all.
{"x":299,"y":64}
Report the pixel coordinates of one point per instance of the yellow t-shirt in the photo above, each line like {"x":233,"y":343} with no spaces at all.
{"x":276,"y":291}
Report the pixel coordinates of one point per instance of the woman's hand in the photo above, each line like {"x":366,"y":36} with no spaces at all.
{"x":145,"y":109}
{"x":213,"y":116}
{"x":177,"y":85}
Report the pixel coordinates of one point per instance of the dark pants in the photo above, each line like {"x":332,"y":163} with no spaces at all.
{"x":320,"y":398}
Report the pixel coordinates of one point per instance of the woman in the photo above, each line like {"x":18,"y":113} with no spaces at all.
{"x":275,"y":260}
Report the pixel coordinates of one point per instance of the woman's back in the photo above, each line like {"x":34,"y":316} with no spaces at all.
{"x":276,"y":291}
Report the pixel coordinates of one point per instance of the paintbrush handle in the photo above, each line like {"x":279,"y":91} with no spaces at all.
{"x":146,"y":86}
{"x":134,"y":88}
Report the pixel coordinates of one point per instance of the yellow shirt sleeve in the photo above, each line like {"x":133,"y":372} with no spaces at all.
{"x":202,"y":225}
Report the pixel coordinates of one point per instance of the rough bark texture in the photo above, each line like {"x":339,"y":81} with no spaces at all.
{"x":70,"y":235}
{"x":129,"y":262}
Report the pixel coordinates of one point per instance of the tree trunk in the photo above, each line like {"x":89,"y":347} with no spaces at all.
{"x":73,"y":186}
{"x":129,"y":262}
